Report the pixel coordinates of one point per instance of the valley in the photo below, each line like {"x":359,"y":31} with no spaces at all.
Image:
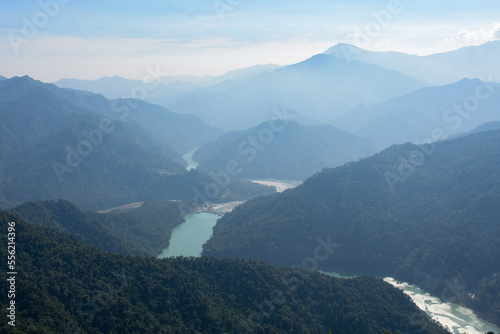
{"x":235,"y":167}
{"x":188,"y":238}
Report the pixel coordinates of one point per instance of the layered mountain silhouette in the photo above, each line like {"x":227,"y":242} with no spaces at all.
{"x":318,"y":89}
{"x":428,"y":114}
{"x":162,"y":89}
{"x":181,"y":132}
{"x":424,"y":209}
{"x":97,"y":153}
{"x":480,"y":62}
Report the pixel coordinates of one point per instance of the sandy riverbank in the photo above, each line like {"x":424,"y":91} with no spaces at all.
{"x":279,"y":185}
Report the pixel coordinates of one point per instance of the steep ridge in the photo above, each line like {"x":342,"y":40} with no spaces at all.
{"x":426,"y":214}
{"x":181,"y":132}
{"x":75,"y":146}
{"x":282,"y":150}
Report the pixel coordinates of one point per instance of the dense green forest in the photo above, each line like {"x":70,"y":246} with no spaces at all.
{"x":142,"y":231}
{"x":425,"y":214}
{"x":281,"y":149}
{"x":65,"y":286}
{"x":57,"y":143}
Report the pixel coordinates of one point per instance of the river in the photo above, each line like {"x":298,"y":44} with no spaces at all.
{"x":188,"y":157}
{"x":459,"y":319}
{"x":188,"y":239}
{"x":280,"y":185}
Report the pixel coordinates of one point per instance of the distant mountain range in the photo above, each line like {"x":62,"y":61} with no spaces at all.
{"x":282,"y":150}
{"x":164,"y":86}
{"x":58,"y":143}
{"x":426,"y":214}
{"x":318,"y":89}
{"x":480,"y":62}
{"x":490,"y":126}
{"x":421,"y":115}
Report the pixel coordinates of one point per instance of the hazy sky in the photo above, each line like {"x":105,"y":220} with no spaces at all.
{"x":53,"y":39}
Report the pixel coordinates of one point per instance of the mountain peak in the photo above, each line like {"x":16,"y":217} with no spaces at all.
{"x":115,"y":78}
{"x":342,"y":49}
{"x":21,"y":82}
{"x":23,"y":78}
{"x":318,"y":60}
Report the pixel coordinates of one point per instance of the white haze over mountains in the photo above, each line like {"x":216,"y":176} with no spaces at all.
{"x":386,"y":97}
{"x":319,"y":89}
{"x":437,"y":69}
{"x":426,"y":115}
{"x":115,"y":87}
{"x":163,"y":126}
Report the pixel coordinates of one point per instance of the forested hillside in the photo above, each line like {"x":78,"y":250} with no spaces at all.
{"x":283,"y":150}
{"x":426,"y":214}
{"x":65,"y":286}
{"x":260,"y":167}
{"x":142,"y":231}
{"x":57,"y":143}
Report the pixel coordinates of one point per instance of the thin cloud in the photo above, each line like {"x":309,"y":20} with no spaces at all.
{"x":477,"y":35}
{"x":496,"y":33}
